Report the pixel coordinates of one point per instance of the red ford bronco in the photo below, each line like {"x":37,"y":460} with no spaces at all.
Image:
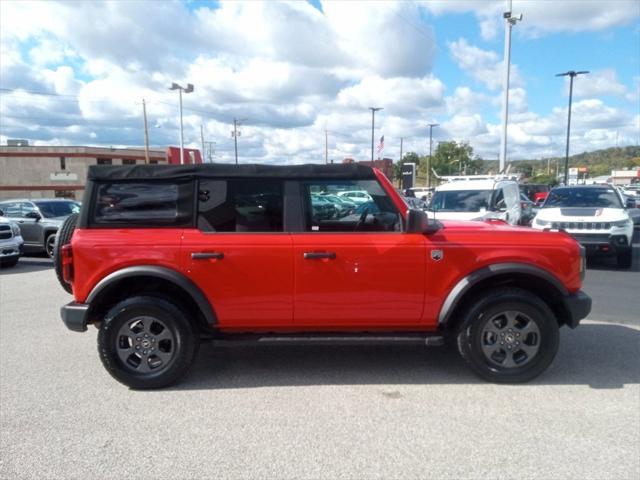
{"x":162,"y":257}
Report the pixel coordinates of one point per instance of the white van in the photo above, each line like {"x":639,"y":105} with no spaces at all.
{"x":477,"y":200}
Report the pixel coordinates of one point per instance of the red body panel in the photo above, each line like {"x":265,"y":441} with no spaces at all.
{"x":252,"y":286}
{"x":376,"y":280}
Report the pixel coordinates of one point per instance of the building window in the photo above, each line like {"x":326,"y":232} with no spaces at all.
{"x":104,"y":161}
{"x":63,"y":163}
{"x":128,"y":161}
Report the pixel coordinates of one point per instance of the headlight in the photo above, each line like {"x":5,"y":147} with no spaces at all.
{"x":622,"y":223}
{"x":15,"y":229}
{"x":542,"y":223}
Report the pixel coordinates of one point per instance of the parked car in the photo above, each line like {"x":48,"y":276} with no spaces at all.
{"x":477,"y":200}
{"x":343,"y":206}
{"x":594,"y":215}
{"x":537,"y":193}
{"x":39,"y":220}
{"x":158,"y":280}
{"x":356,"y":197}
{"x":11,"y":243}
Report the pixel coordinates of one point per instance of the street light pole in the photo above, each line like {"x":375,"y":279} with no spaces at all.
{"x":373,"y":122}
{"x":188,"y":89}
{"x":510,"y":21}
{"x":571,"y":74}
{"x":431,"y":125}
{"x":235,"y":134}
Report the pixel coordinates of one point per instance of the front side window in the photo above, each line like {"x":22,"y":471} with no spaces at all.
{"x":461,"y":200}
{"x":11,"y":209}
{"x":349,"y":206}
{"x":240,"y":205}
{"x":152,"y":204}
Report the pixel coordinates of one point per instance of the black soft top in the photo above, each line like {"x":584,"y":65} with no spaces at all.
{"x":350,"y":171}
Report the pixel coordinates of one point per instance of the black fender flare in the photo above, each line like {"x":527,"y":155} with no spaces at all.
{"x":163,"y":273}
{"x":468,"y":282}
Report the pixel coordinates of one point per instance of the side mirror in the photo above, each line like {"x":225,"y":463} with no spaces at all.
{"x":631,"y":203}
{"x":1,"y":213}
{"x":419,"y":222}
{"x":35,"y":215}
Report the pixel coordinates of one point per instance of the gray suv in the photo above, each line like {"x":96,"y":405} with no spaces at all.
{"x":39,"y":220}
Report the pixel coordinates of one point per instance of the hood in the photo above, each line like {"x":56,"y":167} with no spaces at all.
{"x":585,"y":214}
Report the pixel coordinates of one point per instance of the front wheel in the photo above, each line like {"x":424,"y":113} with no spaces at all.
{"x":147,"y":342}
{"x":509,"y":336}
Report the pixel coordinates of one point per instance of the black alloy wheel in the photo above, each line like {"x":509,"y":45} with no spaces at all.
{"x":508,"y":335}
{"x":147,"y":342}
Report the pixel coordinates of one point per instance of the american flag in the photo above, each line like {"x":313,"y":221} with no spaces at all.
{"x":381,"y":144}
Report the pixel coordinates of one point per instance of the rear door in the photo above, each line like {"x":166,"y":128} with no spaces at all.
{"x":239,"y":254}
{"x":358,"y":269}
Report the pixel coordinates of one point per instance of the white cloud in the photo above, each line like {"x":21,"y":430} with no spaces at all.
{"x":597,"y":83}
{"x":484,"y":66}
{"x":543,"y":17}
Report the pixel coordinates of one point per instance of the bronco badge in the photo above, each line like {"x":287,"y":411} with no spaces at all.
{"x":437,"y":255}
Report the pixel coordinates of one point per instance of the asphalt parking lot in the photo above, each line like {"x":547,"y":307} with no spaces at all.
{"x":318,"y":412}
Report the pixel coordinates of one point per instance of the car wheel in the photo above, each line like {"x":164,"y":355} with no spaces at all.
{"x":625,"y":258}
{"x":147,"y":342}
{"x":49,"y":244}
{"x":508,"y":336}
{"x":62,"y":238}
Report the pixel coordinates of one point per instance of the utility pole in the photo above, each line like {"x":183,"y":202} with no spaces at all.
{"x":202,"y":140}
{"x":373,"y":123}
{"x":210,"y":150}
{"x":188,"y":89}
{"x":571,"y":74}
{"x":235,"y":134}
{"x":401,"y":139}
{"x":326,"y":146}
{"x":146,"y":132}
{"x":510,"y":21}
{"x":430,"y":125}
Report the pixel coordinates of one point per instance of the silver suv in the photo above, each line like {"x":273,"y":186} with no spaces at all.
{"x":39,"y":220}
{"x":10,"y":242}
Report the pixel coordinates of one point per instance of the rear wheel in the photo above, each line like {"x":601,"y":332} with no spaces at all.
{"x":509,"y":336}
{"x":49,"y":244}
{"x":625,"y":258}
{"x":147,"y":342}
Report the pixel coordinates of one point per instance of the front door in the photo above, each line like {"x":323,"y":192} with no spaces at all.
{"x":239,"y":255}
{"x":356,"y":268}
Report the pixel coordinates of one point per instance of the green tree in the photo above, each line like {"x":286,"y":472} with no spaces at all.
{"x":453,"y":158}
{"x":409,"y":157}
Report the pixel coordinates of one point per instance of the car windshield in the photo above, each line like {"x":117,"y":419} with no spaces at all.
{"x":58,"y":209}
{"x":461,"y":201}
{"x":583,"y":197}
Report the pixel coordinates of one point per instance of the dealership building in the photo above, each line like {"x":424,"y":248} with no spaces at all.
{"x":48,"y":172}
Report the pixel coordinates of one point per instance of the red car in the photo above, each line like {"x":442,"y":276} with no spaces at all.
{"x":162,"y":257}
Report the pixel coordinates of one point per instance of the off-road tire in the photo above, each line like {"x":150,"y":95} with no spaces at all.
{"x":476,"y":319}
{"x":63,"y":237}
{"x":172,"y":315}
{"x":624,"y":258}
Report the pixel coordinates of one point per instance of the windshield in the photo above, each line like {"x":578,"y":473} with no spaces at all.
{"x":461,"y":201}
{"x":58,"y":209}
{"x":583,"y":197}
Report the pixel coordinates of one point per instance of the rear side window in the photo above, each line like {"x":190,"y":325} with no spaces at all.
{"x":240,"y":205}
{"x":154,"y":204}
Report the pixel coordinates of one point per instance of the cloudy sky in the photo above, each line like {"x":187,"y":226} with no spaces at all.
{"x":75,"y":73}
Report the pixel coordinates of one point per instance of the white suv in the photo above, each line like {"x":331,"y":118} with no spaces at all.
{"x":595,"y":215}
{"x":477,"y":200}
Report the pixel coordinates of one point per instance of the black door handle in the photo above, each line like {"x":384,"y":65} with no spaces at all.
{"x":207,"y":255}
{"x":319,"y":255}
